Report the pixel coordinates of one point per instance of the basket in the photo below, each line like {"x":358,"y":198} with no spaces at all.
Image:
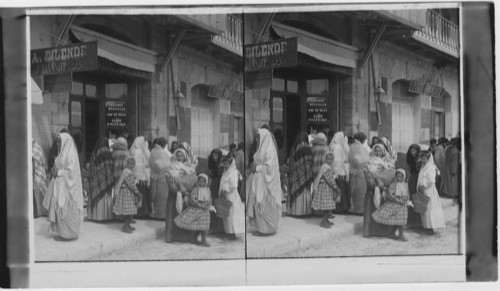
{"x":222,"y":207}
{"x":420,"y":202}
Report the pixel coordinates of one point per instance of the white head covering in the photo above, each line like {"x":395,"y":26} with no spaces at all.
{"x":122,"y":141}
{"x":140,"y":152}
{"x":68,"y":183}
{"x":322,"y":136}
{"x":428,"y":171}
{"x":340,"y":140}
{"x":267,"y":155}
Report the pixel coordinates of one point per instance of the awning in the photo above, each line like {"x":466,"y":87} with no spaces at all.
{"x":118,"y":51}
{"x":318,"y":47}
{"x":36,"y":93}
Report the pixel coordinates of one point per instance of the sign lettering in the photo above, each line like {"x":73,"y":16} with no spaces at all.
{"x":428,"y":84}
{"x":65,"y":59}
{"x":116,"y":114}
{"x":269,"y":55}
{"x":317,"y":109}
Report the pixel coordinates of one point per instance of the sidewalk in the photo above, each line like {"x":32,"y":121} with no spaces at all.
{"x":301,"y":233}
{"x":96,"y":239}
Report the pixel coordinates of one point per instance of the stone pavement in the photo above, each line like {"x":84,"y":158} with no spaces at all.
{"x":302,"y":233}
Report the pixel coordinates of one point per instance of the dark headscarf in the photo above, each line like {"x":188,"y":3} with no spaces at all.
{"x":101,"y":171}
{"x":213,"y":166}
{"x":411,"y":160}
{"x":162,"y":142}
{"x":360,"y":136}
{"x":300,"y":163}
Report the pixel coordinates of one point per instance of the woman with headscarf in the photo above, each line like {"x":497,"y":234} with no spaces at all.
{"x":239,"y":158}
{"x":100,"y":201}
{"x":451,"y":179}
{"x":358,"y":157}
{"x":412,"y":162}
{"x":325,"y":190}
{"x":192,"y":160}
{"x":216,"y":169}
{"x":234,"y":224}
{"x":392,"y":155}
{"x":181,"y":177}
{"x":120,"y":154}
{"x":65,"y":195}
{"x":379,"y":172}
{"x":433,"y":217}
{"x":440,"y":160}
{"x":300,"y":176}
{"x":140,"y":152}
{"x":264,"y":196}
{"x":159,"y":164}
{"x":319,"y":148}
{"x":340,"y":148}
{"x":39,"y":179}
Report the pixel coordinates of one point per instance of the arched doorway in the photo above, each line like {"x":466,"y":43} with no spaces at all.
{"x":202,"y":121}
{"x":403,"y":116}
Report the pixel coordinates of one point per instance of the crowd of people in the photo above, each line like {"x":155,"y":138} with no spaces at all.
{"x":328,"y":174}
{"x":127,"y":180}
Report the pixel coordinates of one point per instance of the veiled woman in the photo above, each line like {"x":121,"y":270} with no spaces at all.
{"x":100,"y":201}
{"x":300,"y":177}
{"x":358,"y":156}
{"x":340,"y":149}
{"x":39,"y":179}
{"x":140,"y":152}
{"x":120,"y":154}
{"x":412,"y":161}
{"x":216,"y":169}
{"x":192,"y":160}
{"x":64,"y":198}
{"x":159,"y":164}
{"x":181,"y":177}
{"x":319,"y":149}
{"x":234,"y":224}
{"x":379,"y":172}
{"x":264,"y":201}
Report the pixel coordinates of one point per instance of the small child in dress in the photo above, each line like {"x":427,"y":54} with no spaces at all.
{"x":127,"y":196}
{"x":197,"y":215}
{"x":394,"y":211}
{"x":325,"y":190}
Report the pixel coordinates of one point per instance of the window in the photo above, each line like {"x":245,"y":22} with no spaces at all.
{"x":116,"y":91}
{"x":90,"y":90}
{"x":77,"y":88}
{"x":202,"y":122}
{"x":292,"y":86}
{"x":317,"y":87}
{"x":277,"y":110}
{"x":278,"y":84}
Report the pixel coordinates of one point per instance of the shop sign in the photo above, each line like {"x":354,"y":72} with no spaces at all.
{"x":317,"y":109}
{"x":64,"y":59}
{"x":228,"y":88}
{"x":116,"y":114}
{"x":270,"y":55}
{"x":427,"y":84}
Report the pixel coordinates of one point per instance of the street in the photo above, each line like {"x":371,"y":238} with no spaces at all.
{"x":158,"y":249}
{"x":443,"y":242}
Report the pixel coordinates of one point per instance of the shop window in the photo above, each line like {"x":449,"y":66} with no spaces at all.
{"x":317,"y":86}
{"x":292,"y":86}
{"x":278,"y":84}
{"x":76,"y":114}
{"x":90,"y":90}
{"x":77,"y":88}
{"x":400,"y":90}
{"x":277,"y":110}
{"x":438,"y":120}
{"x":116,"y":91}
{"x":202,"y":121}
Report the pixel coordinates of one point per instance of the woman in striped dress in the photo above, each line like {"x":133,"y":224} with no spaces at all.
{"x":300,"y":177}
{"x":100,"y":202}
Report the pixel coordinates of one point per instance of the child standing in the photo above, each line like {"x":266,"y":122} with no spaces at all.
{"x":394,"y":211}
{"x":197,"y":215}
{"x":325,"y":190}
{"x":127,"y":196}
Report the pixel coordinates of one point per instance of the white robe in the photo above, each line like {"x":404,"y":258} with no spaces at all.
{"x":235,"y":222}
{"x":433,"y":217}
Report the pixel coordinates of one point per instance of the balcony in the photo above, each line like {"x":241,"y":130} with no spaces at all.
{"x":231,"y":37}
{"x":439,"y":33}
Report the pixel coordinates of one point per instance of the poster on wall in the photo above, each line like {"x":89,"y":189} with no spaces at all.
{"x":116,"y":114}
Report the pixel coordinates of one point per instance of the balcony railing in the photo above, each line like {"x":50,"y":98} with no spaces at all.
{"x":439,"y":33}
{"x":231,"y":36}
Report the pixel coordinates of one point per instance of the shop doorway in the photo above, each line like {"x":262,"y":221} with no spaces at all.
{"x":84,"y":125}
{"x":403,"y":117}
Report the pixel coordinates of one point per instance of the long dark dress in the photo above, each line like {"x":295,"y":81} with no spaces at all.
{"x":216,"y":223}
{"x":414,"y":219}
{"x":370,"y":226}
{"x":172,"y":231}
